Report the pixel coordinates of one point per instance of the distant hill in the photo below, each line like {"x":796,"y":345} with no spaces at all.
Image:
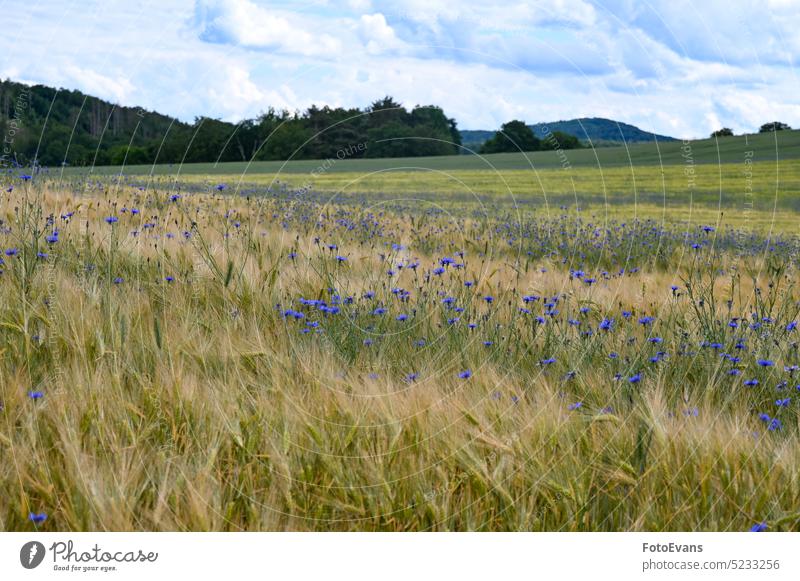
{"x":473,"y":139}
{"x":598,"y":131}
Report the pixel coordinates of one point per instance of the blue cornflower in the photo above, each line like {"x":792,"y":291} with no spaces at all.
{"x":34,"y":395}
{"x":774,"y":425}
{"x":575,"y":406}
{"x":782,"y":403}
{"x":635,"y":378}
{"x":489,"y":299}
{"x":765,"y":363}
{"x":402,"y":317}
{"x":111,"y":219}
{"x":466,"y":374}
{"x":341,"y":258}
{"x":606,"y":324}
{"x":758,"y":527}
{"x":751,"y":382}
{"x":37,"y":517}
{"x":548,"y":361}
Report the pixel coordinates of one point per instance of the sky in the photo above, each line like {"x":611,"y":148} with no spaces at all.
{"x":677,"y":68}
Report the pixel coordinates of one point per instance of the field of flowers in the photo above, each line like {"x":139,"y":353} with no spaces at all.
{"x":188,"y":357}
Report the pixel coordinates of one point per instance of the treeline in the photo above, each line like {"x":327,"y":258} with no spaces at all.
{"x":517,"y":136}
{"x":54,"y":127}
{"x":766,"y":128}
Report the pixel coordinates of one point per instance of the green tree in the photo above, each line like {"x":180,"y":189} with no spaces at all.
{"x":513,"y":136}
{"x":724,"y":132}
{"x":773,"y":126}
{"x":560,"y":140}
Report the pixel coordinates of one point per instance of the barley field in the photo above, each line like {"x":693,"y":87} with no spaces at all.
{"x":189,"y":354}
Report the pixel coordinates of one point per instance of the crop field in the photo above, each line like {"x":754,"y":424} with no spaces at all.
{"x":600,"y":349}
{"x":745,"y":181}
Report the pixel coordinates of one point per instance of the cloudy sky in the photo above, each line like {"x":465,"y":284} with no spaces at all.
{"x":677,"y":68}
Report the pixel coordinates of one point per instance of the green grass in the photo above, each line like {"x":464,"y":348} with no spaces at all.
{"x":768,"y":147}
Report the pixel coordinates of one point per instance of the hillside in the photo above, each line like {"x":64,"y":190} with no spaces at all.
{"x":599,"y":130}
{"x":59,"y":127}
{"x":595,"y":130}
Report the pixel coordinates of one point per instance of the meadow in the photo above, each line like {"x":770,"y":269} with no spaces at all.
{"x":376,"y":350}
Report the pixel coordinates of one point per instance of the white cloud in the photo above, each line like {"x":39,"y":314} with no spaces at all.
{"x":376,"y":34}
{"x":245,"y":23}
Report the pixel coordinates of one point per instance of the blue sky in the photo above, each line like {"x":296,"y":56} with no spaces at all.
{"x":678,"y":68}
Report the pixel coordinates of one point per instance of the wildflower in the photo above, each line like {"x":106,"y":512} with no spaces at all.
{"x":751,"y":382}
{"x":466,"y":374}
{"x":635,"y":378}
{"x":774,"y":425}
{"x":112,"y":219}
{"x":765,"y":363}
{"x":34,"y":395}
{"x":341,"y":259}
{"x":489,"y":299}
{"x":606,"y":324}
{"x":758,"y":527}
{"x":782,"y":403}
{"x":548,"y":361}
{"x":169,"y":278}
{"x":174,"y":197}
{"x":37,"y":517}
{"x":119,"y":280}
{"x":575,"y":406}
{"x":411,"y":377}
